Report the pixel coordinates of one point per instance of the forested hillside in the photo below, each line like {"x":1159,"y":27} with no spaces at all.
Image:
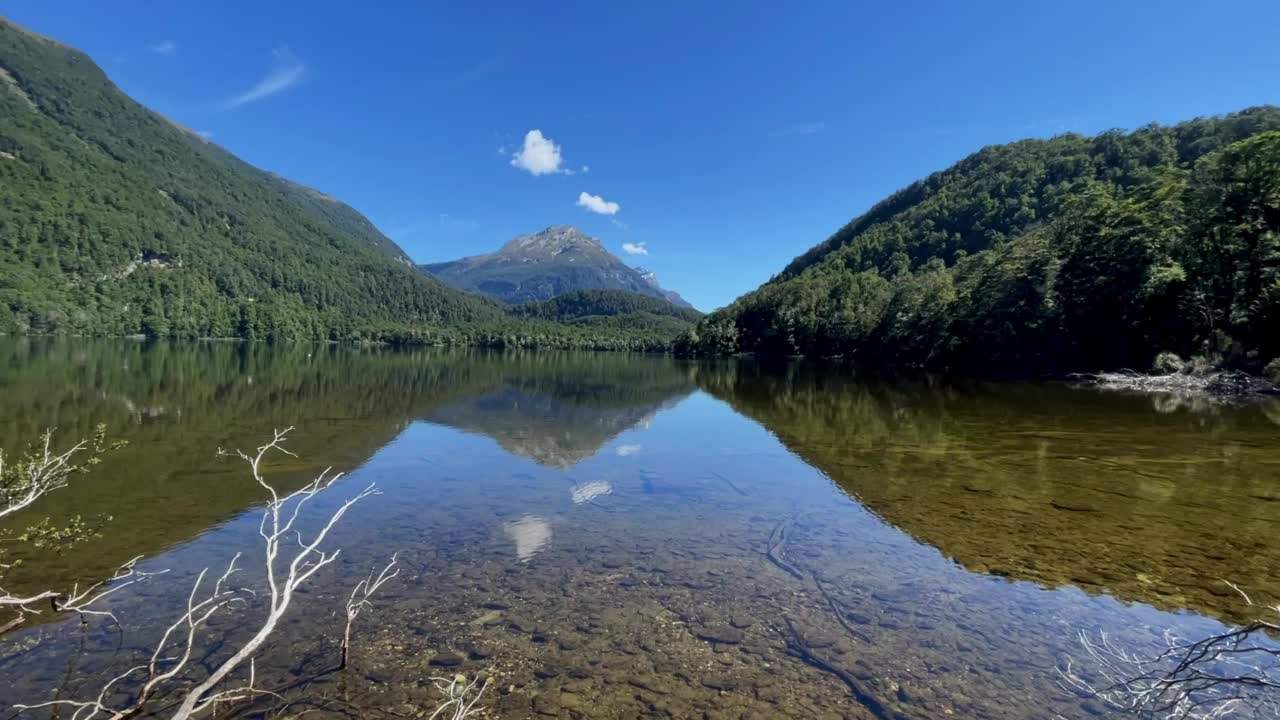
{"x":115,"y":221}
{"x":587,"y":303}
{"x":1041,"y":256}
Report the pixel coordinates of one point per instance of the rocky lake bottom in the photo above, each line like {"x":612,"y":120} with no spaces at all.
{"x":651,"y":539}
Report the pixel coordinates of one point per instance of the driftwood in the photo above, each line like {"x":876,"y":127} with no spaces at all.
{"x":795,"y":642}
{"x":1234,"y":673}
{"x":798,"y":648}
{"x":839,"y":612}
{"x":1227,"y":384}
{"x":729,"y":482}
{"x":361,"y":598}
{"x":776,"y":549}
{"x":287,"y":569}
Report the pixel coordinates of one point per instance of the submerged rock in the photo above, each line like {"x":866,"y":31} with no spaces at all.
{"x":720,"y":634}
{"x":447,"y":659}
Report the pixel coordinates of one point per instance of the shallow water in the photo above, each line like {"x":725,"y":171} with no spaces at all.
{"x":613,"y":536}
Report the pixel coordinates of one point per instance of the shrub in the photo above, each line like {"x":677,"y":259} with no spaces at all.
{"x":1272,"y":371}
{"x":1167,"y":363}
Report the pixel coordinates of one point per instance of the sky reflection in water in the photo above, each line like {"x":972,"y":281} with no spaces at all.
{"x":594,"y":531}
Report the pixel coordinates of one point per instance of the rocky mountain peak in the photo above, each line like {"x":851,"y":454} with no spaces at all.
{"x":552,"y":241}
{"x":542,"y":265}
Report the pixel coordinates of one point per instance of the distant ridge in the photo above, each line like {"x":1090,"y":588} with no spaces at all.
{"x":542,"y":265}
{"x":672,"y":296}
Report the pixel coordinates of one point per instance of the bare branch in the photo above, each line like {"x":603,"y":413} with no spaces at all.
{"x":360,"y":599}
{"x":173,"y":653}
{"x":77,"y":600}
{"x":461,"y":697}
{"x":1235,"y":673}
{"x":40,"y":473}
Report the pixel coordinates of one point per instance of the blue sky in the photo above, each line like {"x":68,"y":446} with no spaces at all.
{"x":731,"y":136}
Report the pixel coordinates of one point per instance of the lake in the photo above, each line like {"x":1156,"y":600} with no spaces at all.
{"x":616,"y":536}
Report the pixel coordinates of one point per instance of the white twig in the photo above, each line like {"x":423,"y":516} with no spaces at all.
{"x":360,"y":599}
{"x":38,"y":473}
{"x":1235,"y":673}
{"x":285,"y":572}
{"x":461,"y":697}
{"x":78,"y":600}
{"x":42,"y":474}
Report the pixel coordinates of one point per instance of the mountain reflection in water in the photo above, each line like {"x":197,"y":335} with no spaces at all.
{"x":613,"y":536}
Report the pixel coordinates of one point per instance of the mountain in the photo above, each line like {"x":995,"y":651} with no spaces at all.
{"x":541,"y":266}
{"x":641,"y":320}
{"x":1046,"y":256}
{"x":671,"y":296}
{"x":116,"y":221}
{"x":579,"y":304}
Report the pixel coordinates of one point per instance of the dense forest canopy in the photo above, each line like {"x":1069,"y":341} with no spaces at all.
{"x":1042,"y":256}
{"x":115,"y":221}
{"x":1039,"y":256}
{"x":580,"y":304}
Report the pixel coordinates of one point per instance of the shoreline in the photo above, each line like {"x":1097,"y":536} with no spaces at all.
{"x":1225,"y":385}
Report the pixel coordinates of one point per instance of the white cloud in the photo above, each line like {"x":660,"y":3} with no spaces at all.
{"x":286,"y":72}
{"x":166,"y":47}
{"x":809,"y":128}
{"x":635,"y":248}
{"x":597,"y":204}
{"x":539,"y":155}
{"x":586,"y":492}
{"x":585,"y":169}
{"x":206,"y":134}
{"x":627,"y":450}
{"x":530,"y":534}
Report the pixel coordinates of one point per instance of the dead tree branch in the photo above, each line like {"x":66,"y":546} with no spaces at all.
{"x":461,"y":697}
{"x":33,"y":475}
{"x":1232,"y":674}
{"x":360,"y":599}
{"x":77,"y":600}
{"x":42,"y":472}
{"x":286,"y":570}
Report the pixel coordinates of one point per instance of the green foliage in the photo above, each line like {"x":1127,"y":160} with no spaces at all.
{"x":1167,"y":363}
{"x":1046,"y":255}
{"x":1273,"y":371}
{"x":635,"y":331}
{"x":25,"y":478}
{"x":585,"y":303}
{"x":114,"y":221}
{"x":40,"y":468}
